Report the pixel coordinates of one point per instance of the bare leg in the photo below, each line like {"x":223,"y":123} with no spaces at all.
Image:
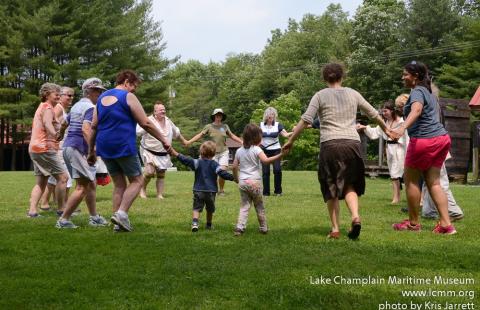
{"x":76,"y":197}
{"x":396,"y":191}
{"x":412,"y":176}
{"x":195,"y":215}
{"x":91,"y":198}
{"x":351,"y":199}
{"x":119,"y":186}
{"x":36,"y":194}
{"x":148,"y":173}
{"x":131,"y":192}
{"x":44,"y":201}
{"x":60,"y":190}
{"x":334,"y":212}
{"x":160,"y":184}
{"x":221,"y":185}
{"x":432,"y":180}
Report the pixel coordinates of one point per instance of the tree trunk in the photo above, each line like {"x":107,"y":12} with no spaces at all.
{"x":14,"y":147}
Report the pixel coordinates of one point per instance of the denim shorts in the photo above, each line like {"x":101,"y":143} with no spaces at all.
{"x":128,"y":166}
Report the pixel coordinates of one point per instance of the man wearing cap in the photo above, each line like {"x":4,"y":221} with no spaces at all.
{"x":115,"y":117}
{"x":75,"y":150}
{"x":217,"y":131}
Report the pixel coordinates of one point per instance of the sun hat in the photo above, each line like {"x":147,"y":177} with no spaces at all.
{"x":215,"y":112}
{"x":93,"y":83}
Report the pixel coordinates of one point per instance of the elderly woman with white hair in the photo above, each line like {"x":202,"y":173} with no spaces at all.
{"x":271,"y":130}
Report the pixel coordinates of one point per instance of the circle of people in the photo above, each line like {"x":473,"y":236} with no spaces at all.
{"x":96,"y":140}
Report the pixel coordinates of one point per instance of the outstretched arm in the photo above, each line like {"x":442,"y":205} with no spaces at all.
{"x":268,"y":160}
{"x":301,"y":125}
{"x":195,"y":138}
{"x":234,"y":137}
{"x":224,"y":174}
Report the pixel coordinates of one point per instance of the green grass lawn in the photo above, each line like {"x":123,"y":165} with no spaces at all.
{"x":163,"y":265}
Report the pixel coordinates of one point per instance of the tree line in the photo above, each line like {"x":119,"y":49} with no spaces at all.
{"x":65,"y":41}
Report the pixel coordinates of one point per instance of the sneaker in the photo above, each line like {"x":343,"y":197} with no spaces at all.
{"x":405,"y":225}
{"x":122,"y":222}
{"x":449,"y":230}
{"x":263,"y":232}
{"x":333,"y":235}
{"x":97,"y":221}
{"x":355,"y":230}
{"x":278,"y":194}
{"x":238,"y":232}
{"x":195,"y":227}
{"x":456,"y":217}
{"x":116,"y":228}
{"x":63,"y":224}
{"x":222,"y":193}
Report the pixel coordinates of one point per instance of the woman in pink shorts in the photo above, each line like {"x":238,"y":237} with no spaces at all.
{"x":427,"y":150}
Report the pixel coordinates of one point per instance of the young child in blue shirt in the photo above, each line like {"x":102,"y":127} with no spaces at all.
{"x":205,"y":185}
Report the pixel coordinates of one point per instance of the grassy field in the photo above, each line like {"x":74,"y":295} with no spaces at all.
{"x":162,"y":265}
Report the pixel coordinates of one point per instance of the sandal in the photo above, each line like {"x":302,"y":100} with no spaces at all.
{"x":333,"y":235}
{"x":355,"y":230}
{"x":33,"y":215}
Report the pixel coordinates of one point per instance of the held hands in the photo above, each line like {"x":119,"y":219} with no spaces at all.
{"x":59,"y":136}
{"x":172,"y":152}
{"x":286,"y":148}
{"x":395,"y":133}
{"x":360,"y":127}
{"x":92,"y":158}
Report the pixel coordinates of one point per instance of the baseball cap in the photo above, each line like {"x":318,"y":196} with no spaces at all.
{"x":93,"y":83}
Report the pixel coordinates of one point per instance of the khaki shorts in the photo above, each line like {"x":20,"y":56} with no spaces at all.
{"x":222,"y":158}
{"x":77,"y":164}
{"x":47,"y":164}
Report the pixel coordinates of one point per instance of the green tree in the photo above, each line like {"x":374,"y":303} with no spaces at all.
{"x":375,"y":37}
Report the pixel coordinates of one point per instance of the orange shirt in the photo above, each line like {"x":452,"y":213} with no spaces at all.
{"x":41,"y":141}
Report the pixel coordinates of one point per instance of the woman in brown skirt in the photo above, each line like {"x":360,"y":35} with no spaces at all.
{"x":341,"y":169}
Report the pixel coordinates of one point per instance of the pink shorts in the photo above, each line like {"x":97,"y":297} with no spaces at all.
{"x":424,"y":153}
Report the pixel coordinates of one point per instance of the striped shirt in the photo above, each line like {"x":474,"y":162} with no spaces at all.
{"x":337,"y":111}
{"x":81,"y":112}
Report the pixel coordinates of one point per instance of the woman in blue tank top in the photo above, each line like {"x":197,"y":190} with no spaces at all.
{"x":114,"y":122}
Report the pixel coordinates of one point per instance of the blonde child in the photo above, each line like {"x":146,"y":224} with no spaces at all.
{"x":247,"y":170}
{"x":205,"y":186}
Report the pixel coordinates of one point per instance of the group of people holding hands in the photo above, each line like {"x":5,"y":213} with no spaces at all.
{"x":106,"y":123}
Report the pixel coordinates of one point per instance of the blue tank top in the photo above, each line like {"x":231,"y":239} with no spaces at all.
{"x":116,"y":127}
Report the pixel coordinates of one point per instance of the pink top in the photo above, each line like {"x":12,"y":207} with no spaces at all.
{"x":41,"y":142}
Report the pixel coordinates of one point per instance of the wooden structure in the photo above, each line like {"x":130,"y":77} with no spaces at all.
{"x":232,"y":146}
{"x":474,"y":105}
{"x":457,"y":123}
